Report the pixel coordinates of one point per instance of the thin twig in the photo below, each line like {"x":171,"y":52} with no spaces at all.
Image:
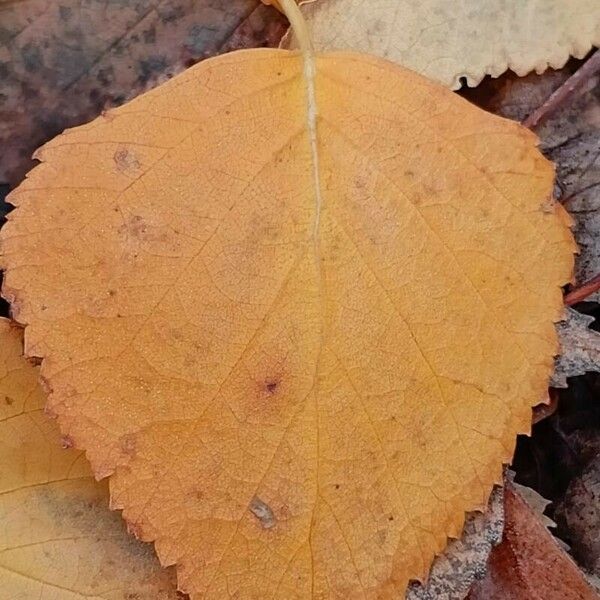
{"x":581,"y":292}
{"x":568,"y":89}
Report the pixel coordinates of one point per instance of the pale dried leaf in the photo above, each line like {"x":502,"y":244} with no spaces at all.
{"x":450,"y":40}
{"x":579,"y":348}
{"x":298,"y":390}
{"x":59,"y":540}
{"x":464,"y":560}
{"x":537,"y":503}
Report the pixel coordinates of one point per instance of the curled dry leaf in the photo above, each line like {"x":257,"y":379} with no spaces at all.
{"x":62,"y":63}
{"x":450,"y":40}
{"x":579,"y":348}
{"x":59,"y":540}
{"x":302,"y":346}
{"x":529,"y":564}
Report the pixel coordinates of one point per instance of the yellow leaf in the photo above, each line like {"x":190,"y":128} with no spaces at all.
{"x":298,"y":309}
{"x":59,"y":540}
{"x":449,"y":40}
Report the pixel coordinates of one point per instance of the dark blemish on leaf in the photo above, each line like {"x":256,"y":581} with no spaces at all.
{"x":409,"y":173}
{"x":112,"y":293}
{"x":198,"y":39}
{"x":150,"y":35}
{"x":262,"y":512}
{"x":106,"y":76}
{"x":8,"y":400}
{"x":171,"y":13}
{"x":271,"y":386}
{"x":135,"y":529}
{"x":32,"y":58}
{"x":65,"y":13}
{"x":66,"y":441}
{"x":126,"y":160}
{"x":337,"y":486}
{"x":150,"y":67}
{"x":128,"y":444}
{"x":390,"y":518}
{"x":6,"y":35}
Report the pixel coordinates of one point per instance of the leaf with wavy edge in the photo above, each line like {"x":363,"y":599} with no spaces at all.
{"x":451,"y":40}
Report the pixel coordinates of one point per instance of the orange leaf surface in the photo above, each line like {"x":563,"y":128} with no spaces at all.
{"x":301,"y":345}
{"x":529,"y":564}
{"x":59,"y":540}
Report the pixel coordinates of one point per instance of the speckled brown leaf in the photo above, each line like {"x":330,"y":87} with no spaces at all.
{"x":58,"y":539}
{"x":62,"y":62}
{"x":529,"y":564}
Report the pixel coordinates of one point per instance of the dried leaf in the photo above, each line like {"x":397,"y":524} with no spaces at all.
{"x":450,"y":40}
{"x":464,"y":560}
{"x":62,"y":63}
{"x":538,"y":504}
{"x":529,"y":564}
{"x":298,"y":383}
{"x":579,"y":348}
{"x":59,"y":540}
{"x":578,"y":516}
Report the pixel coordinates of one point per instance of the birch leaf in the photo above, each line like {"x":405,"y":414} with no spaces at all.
{"x":59,"y":540}
{"x":450,"y":40}
{"x":301,"y":345}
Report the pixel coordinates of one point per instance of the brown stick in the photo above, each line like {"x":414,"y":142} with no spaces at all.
{"x":564,"y":92}
{"x":581,"y":292}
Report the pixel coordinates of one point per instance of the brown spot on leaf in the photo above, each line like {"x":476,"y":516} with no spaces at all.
{"x":263,"y":512}
{"x":126,"y":160}
{"x":8,"y":400}
{"x":128,"y":444}
{"x":134,"y":227}
{"x":134,"y":529}
{"x":271,"y":386}
{"x":66,"y":441}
